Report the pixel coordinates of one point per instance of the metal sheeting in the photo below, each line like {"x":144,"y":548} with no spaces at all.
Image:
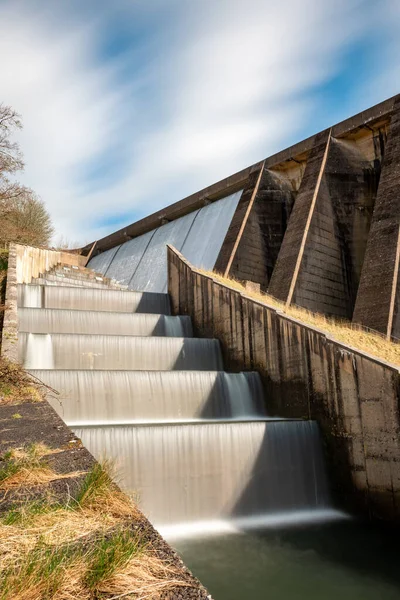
{"x":141,"y":263}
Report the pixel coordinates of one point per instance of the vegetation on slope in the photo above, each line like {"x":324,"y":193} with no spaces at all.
{"x":27,"y":466}
{"x":16,"y":385}
{"x":342,"y":331}
{"x":24,"y":218}
{"x":94,"y":546}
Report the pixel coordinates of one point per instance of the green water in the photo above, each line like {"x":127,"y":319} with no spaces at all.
{"x":345,"y":561}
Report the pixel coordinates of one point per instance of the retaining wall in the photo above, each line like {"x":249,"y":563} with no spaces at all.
{"x":353,"y":396}
{"x":24,"y":264}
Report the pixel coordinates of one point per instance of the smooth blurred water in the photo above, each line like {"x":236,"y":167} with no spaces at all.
{"x":145,"y":396}
{"x":341,"y":561}
{"x":202,"y":471}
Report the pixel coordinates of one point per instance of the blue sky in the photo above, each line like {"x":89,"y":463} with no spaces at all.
{"x":129,"y":105}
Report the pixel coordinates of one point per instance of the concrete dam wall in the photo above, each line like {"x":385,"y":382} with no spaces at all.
{"x":353,"y":396}
{"x":316,"y":225}
{"x":141,"y":263}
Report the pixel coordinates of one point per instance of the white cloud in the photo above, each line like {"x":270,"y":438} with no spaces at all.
{"x":225,"y":84}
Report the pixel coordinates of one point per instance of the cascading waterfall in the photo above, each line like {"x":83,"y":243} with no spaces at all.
{"x":37,"y":320}
{"x":39,"y":352}
{"x":193,"y":472}
{"x":193,"y":442}
{"x":98,"y":351}
{"x":243,"y":402}
{"x":122,"y":397}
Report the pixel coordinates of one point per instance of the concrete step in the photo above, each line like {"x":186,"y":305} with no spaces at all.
{"x":73,"y":351}
{"x":70,"y":272}
{"x":80,"y":276}
{"x":76,"y":270}
{"x":81,"y":283}
{"x":76,"y":298}
{"x":49,"y":320}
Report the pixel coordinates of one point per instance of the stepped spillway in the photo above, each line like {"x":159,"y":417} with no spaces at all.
{"x":193,"y":442}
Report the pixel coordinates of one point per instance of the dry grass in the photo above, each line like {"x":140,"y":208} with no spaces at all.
{"x":342,"y":331}
{"x":27,"y":467}
{"x":17,"y":386}
{"x":90,"y":548}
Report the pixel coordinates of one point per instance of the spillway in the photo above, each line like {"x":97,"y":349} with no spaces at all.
{"x":194,"y":443}
{"x":77,"y":351}
{"x":81,"y":298}
{"x":141,"y":263}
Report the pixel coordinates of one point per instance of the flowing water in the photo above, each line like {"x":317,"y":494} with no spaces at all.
{"x":205,"y":471}
{"x":88,"y":397}
{"x":38,"y":351}
{"x":193,"y":442}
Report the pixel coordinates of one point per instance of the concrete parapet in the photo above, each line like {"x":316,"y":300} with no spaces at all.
{"x":353,"y":396}
{"x":32,"y":262}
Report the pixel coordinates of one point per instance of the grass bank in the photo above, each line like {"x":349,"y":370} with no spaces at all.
{"x":94,"y":546}
{"x":341,"y":330}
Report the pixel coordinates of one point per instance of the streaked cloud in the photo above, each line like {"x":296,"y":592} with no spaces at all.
{"x":129,"y":106}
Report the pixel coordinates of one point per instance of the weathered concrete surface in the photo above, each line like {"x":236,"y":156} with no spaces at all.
{"x":263,"y":233}
{"x":334,"y":244}
{"x":374,"y":298}
{"x":286,"y":271}
{"x":31,"y":262}
{"x":354,"y":397}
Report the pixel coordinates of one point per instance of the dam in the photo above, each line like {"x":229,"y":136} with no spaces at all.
{"x":239,"y":493}
{"x":247,"y":436}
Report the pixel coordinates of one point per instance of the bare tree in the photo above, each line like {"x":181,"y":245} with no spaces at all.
{"x":24,"y":218}
{"x":64,"y":243}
